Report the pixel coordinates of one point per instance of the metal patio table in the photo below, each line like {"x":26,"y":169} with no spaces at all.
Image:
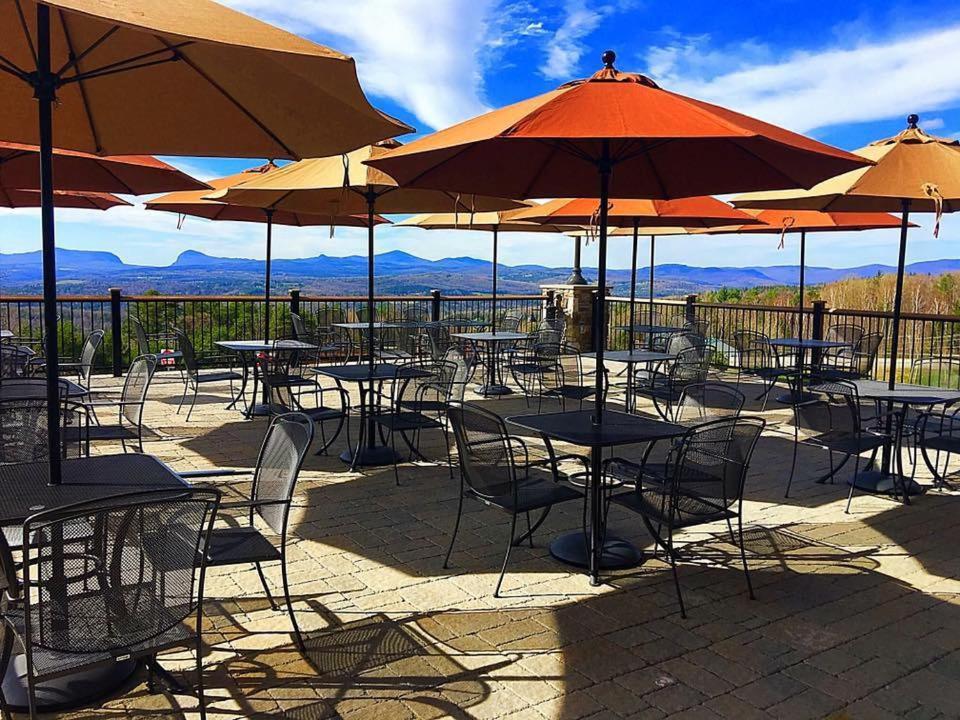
{"x":492,"y":341}
{"x":631,"y":358}
{"x":888,"y":480}
{"x":24,"y":491}
{"x":13,"y":390}
{"x":361,"y":327}
{"x":247,"y":350}
{"x":369,"y":379}
{"x":593,"y":548}
{"x":801,"y":346}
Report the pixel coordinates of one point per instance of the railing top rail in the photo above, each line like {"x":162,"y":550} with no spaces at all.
{"x":258,"y":298}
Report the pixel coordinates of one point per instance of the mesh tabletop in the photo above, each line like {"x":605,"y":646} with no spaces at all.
{"x":365,"y":326}
{"x":261,"y":346}
{"x":21,"y":391}
{"x":618,"y":428}
{"x":490,"y":337}
{"x":905,"y":393}
{"x":24,"y":488}
{"x":808,"y":343}
{"x":637,"y":356}
{"x":361,"y":372}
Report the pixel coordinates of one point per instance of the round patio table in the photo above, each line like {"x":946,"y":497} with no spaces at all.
{"x":248,"y":350}
{"x":493,"y":341}
{"x":631,"y":358}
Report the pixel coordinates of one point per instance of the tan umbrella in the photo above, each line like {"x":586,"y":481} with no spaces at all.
{"x":913,"y":172}
{"x":342,"y":184}
{"x":13,"y":198}
{"x":195,"y":203}
{"x":178,"y":77}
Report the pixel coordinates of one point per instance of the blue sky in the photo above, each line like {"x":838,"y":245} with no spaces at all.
{"x":844,"y":72}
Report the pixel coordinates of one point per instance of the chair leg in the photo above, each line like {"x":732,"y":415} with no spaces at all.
{"x":266,"y":588}
{"x":853,"y":484}
{"x":396,"y":458}
{"x":183,"y":396}
{"x":529,"y":529}
{"x":201,"y":700}
{"x":793,"y":464}
{"x":671,"y":556}
{"x":456,"y":528}
{"x":193,"y":401}
{"x":743,"y":558}
{"x":506,"y":555}
{"x":286,"y":597}
{"x":5,"y":655}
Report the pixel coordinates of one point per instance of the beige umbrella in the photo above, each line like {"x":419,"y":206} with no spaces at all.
{"x":178,"y":77}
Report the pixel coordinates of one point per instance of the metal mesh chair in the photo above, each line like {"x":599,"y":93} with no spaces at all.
{"x":130,"y":406}
{"x":15,"y":361}
{"x":845,"y":333}
{"x":706,"y":401}
{"x":566,"y":380}
{"x":938,"y":441}
{"x":533,"y":369}
{"x":757,"y":358}
{"x":194,"y":377}
{"x":83,"y":366}
{"x":23,"y":421}
{"x":107,"y":580}
{"x":664,"y":384}
{"x":495,"y":470}
{"x":703,"y":483}
{"x":269,"y":500}
{"x":146,"y":341}
{"x":832,"y":421}
{"x":852,"y":363}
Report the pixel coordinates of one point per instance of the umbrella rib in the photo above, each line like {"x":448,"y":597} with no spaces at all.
{"x":90,"y":48}
{"x":83,"y":90}
{"x":26,"y":32}
{"x":8,"y":67}
{"x":790,"y":178}
{"x":130,"y":63}
{"x":234,"y":101}
{"x":106,"y":167}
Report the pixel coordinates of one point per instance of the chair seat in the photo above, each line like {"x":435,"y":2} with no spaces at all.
{"x":72,"y":433}
{"x":231,"y":546}
{"x":943,"y":443}
{"x":217,"y":376}
{"x":529,"y":368}
{"x":319,"y":414}
{"x":402,"y":421}
{"x":533,"y":493}
{"x":572,"y":392}
{"x":691,"y":509}
{"x":846,"y":442}
{"x":289,"y":381}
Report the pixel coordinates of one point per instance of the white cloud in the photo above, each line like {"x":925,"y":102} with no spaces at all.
{"x":423,"y":54}
{"x":566,"y":46}
{"x":808,"y":90}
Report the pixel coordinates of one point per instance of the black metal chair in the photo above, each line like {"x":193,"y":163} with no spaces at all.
{"x":703,"y":482}
{"x":105,"y":580}
{"x":153,"y":343}
{"x":566,"y":380}
{"x":938,"y":441}
{"x":194,"y":377}
{"x":832,"y":421}
{"x":855,"y":363}
{"x":530,"y":369}
{"x":82,"y":367}
{"x":23,"y":421}
{"x":663,"y":385}
{"x":707,"y":401}
{"x":15,"y":361}
{"x":495,"y":470}
{"x":130,"y":406}
{"x":845,"y":333}
{"x":269,"y":499}
{"x":756,"y":357}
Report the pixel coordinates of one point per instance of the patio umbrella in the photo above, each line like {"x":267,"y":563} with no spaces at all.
{"x":494,"y":222}
{"x":612,"y":135}
{"x":195,"y":203}
{"x":698,"y":212}
{"x":13,"y":198}
{"x":343,"y":184}
{"x":912,"y":172}
{"x":171,"y":77}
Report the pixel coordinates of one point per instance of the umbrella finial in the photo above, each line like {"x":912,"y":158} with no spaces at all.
{"x":608,"y":58}
{"x":912,"y":120}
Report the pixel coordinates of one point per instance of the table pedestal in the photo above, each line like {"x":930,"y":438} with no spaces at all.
{"x":879,"y":482}
{"x":618,"y":554}
{"x":67,"y":692}
{"x":368,"y":456}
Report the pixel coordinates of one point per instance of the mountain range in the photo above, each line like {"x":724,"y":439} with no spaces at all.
{"x":397,"y":272}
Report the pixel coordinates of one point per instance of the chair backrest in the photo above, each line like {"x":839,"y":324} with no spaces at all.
{"x":708,"y":401}
{"x":190,"y":363}
{"x":13,"y":360}
{"x":484,"y":450}
{"x":146,"y":550}
{"x":865,"y":353}
{"x":835,"y":407}
{"x":509,"y":323}
{"x":712,"y":460}
{"x":754,"y":351}
{"x":278,"y":466}
{"x":300,"y":331}
{"x":23,"y":428}
{"x":942,"y":372}
{"x":135,"y":387}
{"x":143,"y":342}
{"x":434,"y":387}
{"x":463,"y":371}
{"x":697,"y":326}
{"x":688,"y":367}
{"x":683,"y":340}
{"x":845,"y":333}
{"x":89,"y":354}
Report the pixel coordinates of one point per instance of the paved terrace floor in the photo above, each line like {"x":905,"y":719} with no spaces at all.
{"x":856,"y":616}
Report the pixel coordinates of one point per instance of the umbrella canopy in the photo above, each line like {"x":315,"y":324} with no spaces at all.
{"x":13,"y":198}
{"x":496,"y":222}
{"x":181,"y":77}
{"x":694,"y":212}
{"x":612,"y":135}
{"x":124,"y":174}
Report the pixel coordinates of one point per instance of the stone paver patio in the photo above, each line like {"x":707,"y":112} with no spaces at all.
{"x":856,"y":616}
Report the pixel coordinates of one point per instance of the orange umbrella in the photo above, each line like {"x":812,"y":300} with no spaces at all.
{"x":124,"y":174}
{"x":13,"y":198}
{"x":612,"y":135}
{"x":912,"y":172}
{"x":195,"y":202}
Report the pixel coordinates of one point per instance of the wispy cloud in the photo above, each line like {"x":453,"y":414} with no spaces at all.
{"x":566,"y":46}
{"x":806,"y":90}
{"x":424,"y":55}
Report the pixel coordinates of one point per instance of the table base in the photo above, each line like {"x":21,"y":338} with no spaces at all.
{"x":369,"y":456}
{"x":880,"y":483}
{"x":794,"y":398}
{"x":493,"y":389}
{"x":69,"y":691}
{"x":258,"y":410}
{"x":617,"y":554}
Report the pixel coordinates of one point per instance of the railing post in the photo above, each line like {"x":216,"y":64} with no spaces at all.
{"x":690,"y":310}
{"x":295,"y":301}
{"x":551,"y":309}
{"x":116,"y":332}
{"x":819,"y":310}
{"x":435,"y":306}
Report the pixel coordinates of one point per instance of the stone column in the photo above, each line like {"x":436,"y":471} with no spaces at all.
{"x":575,"y":304}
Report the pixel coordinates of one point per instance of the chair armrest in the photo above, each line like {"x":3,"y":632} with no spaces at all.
{"x":212,"y":473}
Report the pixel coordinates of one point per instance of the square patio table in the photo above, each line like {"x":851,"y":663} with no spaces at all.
{"x":247,"y":351}
{"x":25,"y":491}
{"x":368,"y":451}
{"x":593,"y":548}
{"x":631,"y":358}
{"x":492,"y":341}
{"x":802,"y":345}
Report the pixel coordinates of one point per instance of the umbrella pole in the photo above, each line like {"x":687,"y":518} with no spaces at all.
{"x":633,"y":288}
{"x":266,"y":292}
{"x":495,"y":242}
{"x":898,"y":296}
{"x":45,"y":92}
{"x":800,"y":350}
{"x":653,"y":252}
{"x":599,"y":339}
